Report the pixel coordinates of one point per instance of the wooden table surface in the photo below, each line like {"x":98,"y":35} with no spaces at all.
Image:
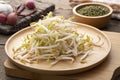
{"x":63,"y":8}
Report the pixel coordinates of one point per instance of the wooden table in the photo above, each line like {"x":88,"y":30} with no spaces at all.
{"x":102,"y":72}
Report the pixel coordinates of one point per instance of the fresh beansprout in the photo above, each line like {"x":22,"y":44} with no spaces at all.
{"x":54,"y":39}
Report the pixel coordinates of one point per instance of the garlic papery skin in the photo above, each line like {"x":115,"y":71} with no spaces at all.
{"x":5,"y":8}
{"x":3,"y":2}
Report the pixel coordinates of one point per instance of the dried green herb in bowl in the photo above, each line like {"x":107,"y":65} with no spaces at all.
{"x":93,"y":10}
{"x":95,"y":14}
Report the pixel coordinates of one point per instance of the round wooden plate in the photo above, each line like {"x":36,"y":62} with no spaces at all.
{"x":63,"y":67}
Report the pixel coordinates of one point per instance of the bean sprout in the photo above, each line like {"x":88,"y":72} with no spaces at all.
{"x":54,"y":39}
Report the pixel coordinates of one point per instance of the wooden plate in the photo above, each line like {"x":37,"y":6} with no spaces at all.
{"x":63,"y":67}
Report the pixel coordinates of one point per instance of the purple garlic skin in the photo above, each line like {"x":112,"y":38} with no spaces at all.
{"x":12,"y":18}
{"x":30,"y":4}
{"x":3,"y":18}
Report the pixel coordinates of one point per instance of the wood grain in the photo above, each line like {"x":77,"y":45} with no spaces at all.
{"x":113,"y":25}
{"x":101,"y":72}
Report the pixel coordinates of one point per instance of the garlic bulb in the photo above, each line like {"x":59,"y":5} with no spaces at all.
{"x":2,"y":2}
{"x":5,"y":8}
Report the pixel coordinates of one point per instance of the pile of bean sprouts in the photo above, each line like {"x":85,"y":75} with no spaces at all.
{"x":54,"y":39}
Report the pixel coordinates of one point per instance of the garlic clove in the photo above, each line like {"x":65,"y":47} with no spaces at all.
{"x":3,"y":18}
{"x":5,"y":8}
{"x":9,"y":8}
{"x":3,"y":2}
{"x":12,"y":18}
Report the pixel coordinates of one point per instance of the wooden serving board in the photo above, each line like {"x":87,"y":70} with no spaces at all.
{"x":102,"y":72}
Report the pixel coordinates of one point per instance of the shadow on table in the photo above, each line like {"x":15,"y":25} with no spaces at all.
{"x":116,"y":75}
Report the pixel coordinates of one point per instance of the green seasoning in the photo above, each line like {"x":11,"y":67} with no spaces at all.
{"x":93,"y":10}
